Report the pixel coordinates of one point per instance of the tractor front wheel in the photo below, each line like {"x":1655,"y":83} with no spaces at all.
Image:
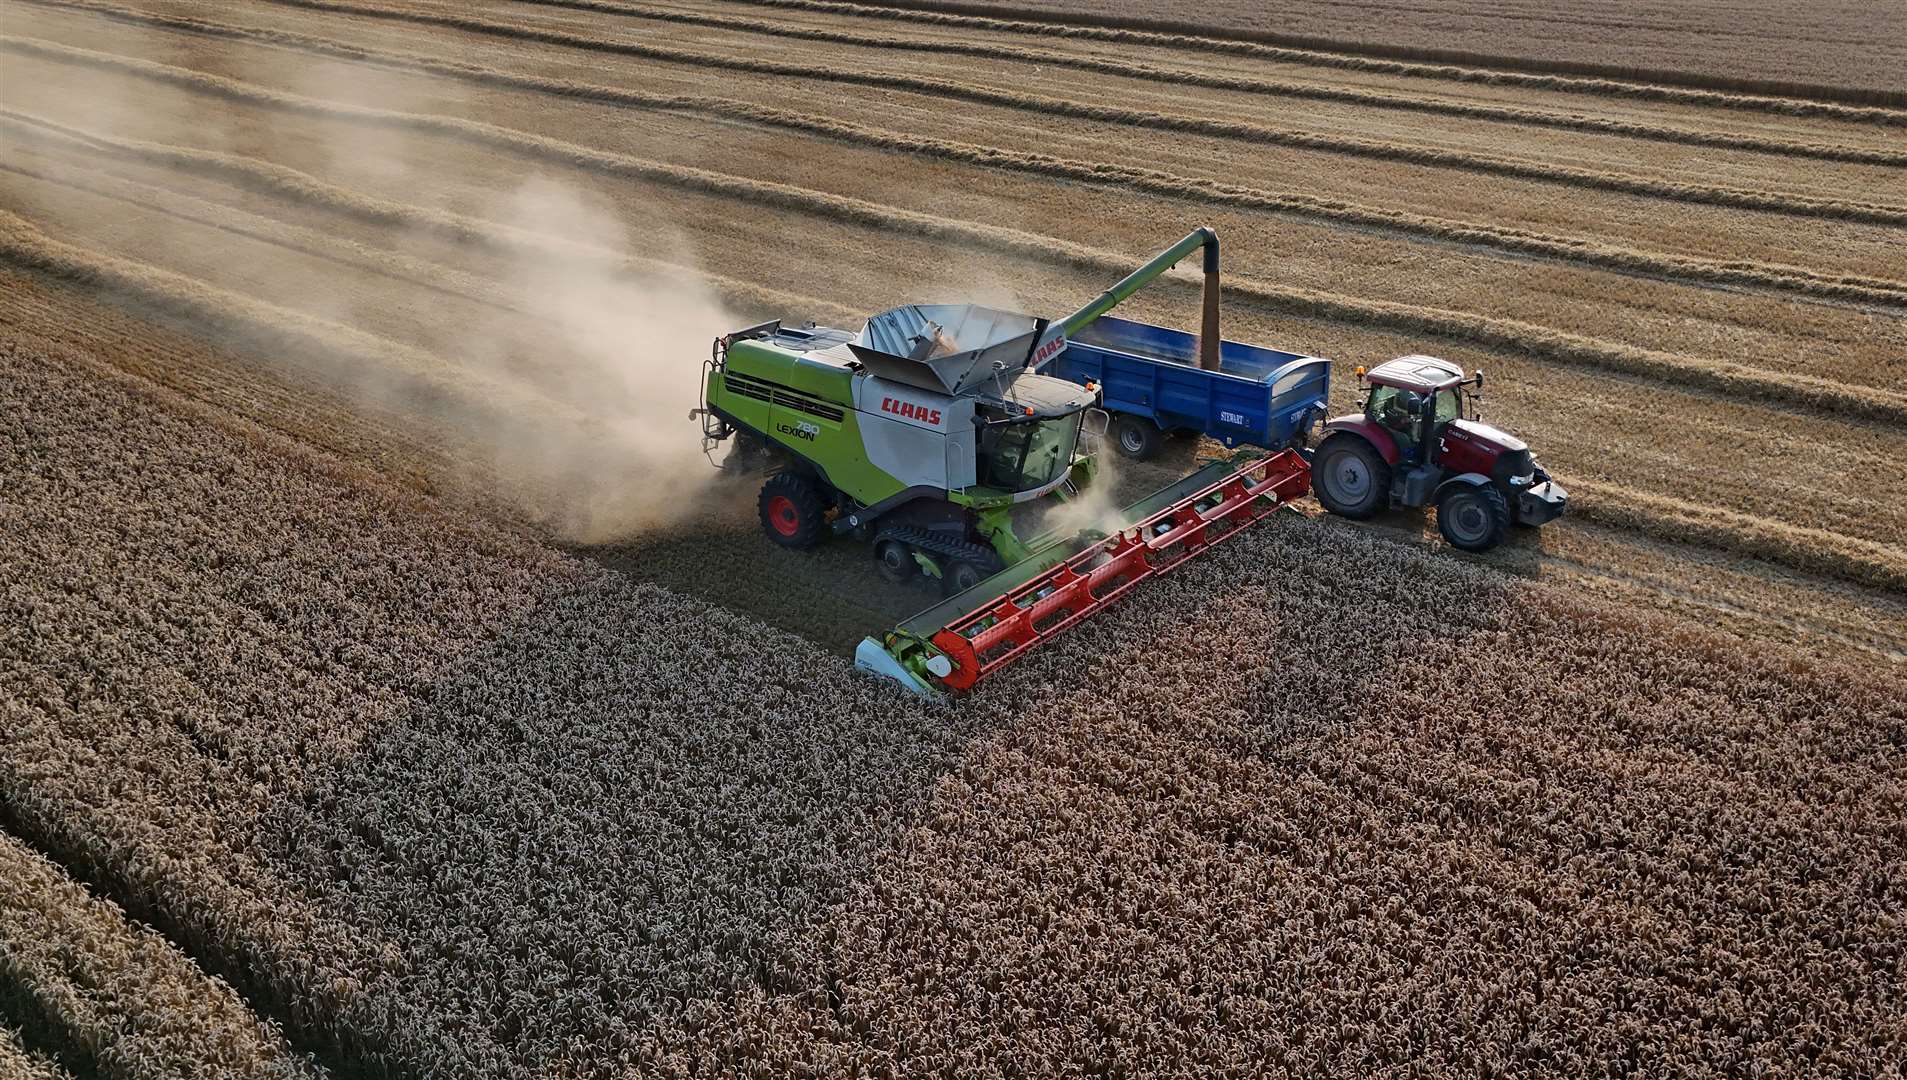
{"x":1473,"y":518}
{"x":1349,"y":477}
{"x":792,"y":510}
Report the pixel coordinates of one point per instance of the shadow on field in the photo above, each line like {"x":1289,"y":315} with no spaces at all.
{"x":632,"y":805}
{"x":624,"y":803}
{"x":831,"y":595}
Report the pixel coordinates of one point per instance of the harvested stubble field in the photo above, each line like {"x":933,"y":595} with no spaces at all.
{"x":390,"y":691}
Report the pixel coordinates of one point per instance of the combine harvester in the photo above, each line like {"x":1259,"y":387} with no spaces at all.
{"x":928,"y":431}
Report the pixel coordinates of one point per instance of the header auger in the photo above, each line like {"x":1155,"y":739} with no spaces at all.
{"x":923,"y":433}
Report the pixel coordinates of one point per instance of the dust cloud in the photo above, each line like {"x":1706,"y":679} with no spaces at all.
{"x":565,"y":398}
{"x":1098,"y":504}
{"x":626,"y":351}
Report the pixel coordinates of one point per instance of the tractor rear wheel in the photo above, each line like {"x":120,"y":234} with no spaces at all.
{"x":1136,"y":437}
{"x":1473,"y":517}
{"x":1349,"y":476}
{"x":792,"y":510}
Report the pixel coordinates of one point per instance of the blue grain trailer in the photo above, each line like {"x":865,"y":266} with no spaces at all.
{"x":1149,"y":380}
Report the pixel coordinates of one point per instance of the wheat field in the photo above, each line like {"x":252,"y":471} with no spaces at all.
{"x":392,"y":689}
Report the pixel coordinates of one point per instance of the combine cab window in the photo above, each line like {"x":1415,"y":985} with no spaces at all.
{"x":1022,"y":456}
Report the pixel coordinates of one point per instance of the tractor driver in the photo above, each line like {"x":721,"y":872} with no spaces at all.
{"x":1399,"y":413}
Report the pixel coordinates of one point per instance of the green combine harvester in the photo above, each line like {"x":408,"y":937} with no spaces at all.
{"x":925,"y":431}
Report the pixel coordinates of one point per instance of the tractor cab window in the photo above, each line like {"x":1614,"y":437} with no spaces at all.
{"x":1392,"y":408}
{"x":1449,"y":404}
{"x":1389,"y":407}
{"x":1026,"y":454}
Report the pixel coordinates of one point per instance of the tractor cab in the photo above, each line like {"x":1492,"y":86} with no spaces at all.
{"x":1414,"y":445}
{"x":1413,"y":398}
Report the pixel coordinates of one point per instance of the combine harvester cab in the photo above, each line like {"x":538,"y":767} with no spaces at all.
{"x":920,"y":434}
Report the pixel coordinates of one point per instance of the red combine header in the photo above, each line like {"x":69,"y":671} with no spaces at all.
{"x":1075,"y":588}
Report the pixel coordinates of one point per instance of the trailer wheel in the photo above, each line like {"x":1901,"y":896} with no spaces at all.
{"x":959,"y":576}
{"x":1349,"y":476}
{"x":896,"y":560}
{"x":791,"y":510}
{"x":1473,"y":517}
{"x":1136,"y":437}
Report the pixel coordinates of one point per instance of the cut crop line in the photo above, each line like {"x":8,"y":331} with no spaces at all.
{"x":1675,"y":269}
{"x":396,"y":266}
{"x":1814,"y":553}
{"x":1259,"y":134}
{"x":1745,"y":94}
{"x":1217,"y":81}
{"x":1152,"y":182}
{"x":1808,"y":550}
{"x":1543,"y":343}
{"x":427,"y":377}
{"x":1818,"y":551}
{"x":1679,"y":270}
{"x":304,"y":189}
{"x":1813,"y":550}
{"x":1844,"y":630}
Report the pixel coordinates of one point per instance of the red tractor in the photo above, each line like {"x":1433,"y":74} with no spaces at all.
{"x":1413,"y":446}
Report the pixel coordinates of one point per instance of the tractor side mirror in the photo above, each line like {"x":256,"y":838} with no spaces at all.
{"x":1478,"y":378}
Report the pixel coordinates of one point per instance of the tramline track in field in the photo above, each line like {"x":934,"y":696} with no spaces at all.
{"x":1523,"y":243}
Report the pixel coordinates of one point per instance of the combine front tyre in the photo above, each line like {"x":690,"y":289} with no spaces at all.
{"x":1349,"y":477}
{"x":792,"y":510}
{"x":959,"y":576}
{"x":1473,"y":517}
{"x":896,"y":560}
